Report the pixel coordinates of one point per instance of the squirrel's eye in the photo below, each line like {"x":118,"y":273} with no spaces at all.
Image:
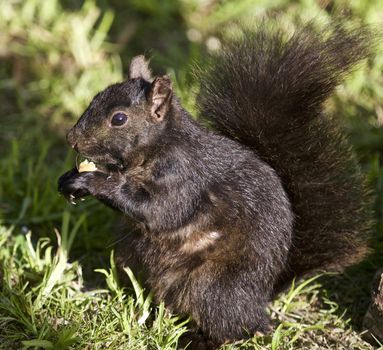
{"x":119,"y":119}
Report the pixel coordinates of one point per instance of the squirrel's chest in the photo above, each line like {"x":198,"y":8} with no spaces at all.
{"x":172,"y":264}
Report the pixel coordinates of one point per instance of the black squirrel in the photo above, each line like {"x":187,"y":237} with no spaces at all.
{"x":228,"y":214}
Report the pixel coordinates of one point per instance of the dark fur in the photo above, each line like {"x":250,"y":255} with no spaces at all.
{"x":267,"y":91}
{"x":226,"y":218}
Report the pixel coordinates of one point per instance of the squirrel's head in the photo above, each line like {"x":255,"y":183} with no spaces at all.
{"x":124,"y":118}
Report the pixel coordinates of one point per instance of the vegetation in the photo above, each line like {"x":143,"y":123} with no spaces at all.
{"x":58,"y":284}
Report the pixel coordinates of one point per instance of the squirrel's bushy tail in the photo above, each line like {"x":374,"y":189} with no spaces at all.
{"x":267,"y":91}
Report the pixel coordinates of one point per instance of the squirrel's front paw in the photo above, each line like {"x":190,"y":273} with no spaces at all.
{"x":73,"y":185}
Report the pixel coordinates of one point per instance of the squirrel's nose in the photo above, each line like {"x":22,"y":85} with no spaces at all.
{"x":79,"y":141}
{"x":71,"y":138}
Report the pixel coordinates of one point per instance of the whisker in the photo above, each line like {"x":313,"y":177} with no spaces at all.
{"x":119,"y":240}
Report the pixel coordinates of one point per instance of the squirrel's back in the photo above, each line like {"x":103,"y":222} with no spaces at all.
{"x":267,"y":91}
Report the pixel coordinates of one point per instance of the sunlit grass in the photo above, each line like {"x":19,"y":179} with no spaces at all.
{"x":43,"y":302}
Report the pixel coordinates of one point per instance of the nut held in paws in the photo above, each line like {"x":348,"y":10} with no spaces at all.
{"x":86,"y":166}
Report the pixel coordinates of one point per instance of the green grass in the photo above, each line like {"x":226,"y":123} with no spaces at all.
{"x":44,"y":303}
{"x":58,"y":284}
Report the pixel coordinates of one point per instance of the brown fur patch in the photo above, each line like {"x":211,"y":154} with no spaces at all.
{"x":200,"y":241}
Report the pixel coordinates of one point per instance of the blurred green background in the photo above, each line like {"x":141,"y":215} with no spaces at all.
{"x":56,"y":55}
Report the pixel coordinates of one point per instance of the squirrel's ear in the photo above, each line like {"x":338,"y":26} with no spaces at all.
{"x":139,"y":68}
{"x":160,"y":97}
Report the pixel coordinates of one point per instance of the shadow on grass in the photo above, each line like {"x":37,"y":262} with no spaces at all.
{"x":351,"y":290}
